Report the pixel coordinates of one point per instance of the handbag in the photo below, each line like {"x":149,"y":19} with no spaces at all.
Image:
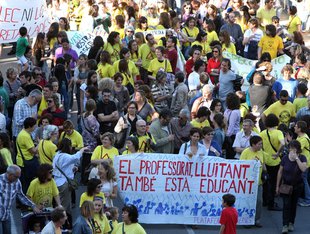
{"x":286,"y":189}
{"x":120,"y":137}
{"x":72,"y":183}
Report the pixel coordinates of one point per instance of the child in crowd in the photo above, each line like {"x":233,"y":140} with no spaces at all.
{"x":112,"y":215}
{"x":21,"y":45}
{"x":229,"y":215}
{"x":100,"y":219}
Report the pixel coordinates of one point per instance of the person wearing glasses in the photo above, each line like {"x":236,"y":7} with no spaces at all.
{"x":212,"y":147}
{"x":129,"y":35}
{"x":94,"y":187}
{"x":214,"y":64}
{"x":43,"y":189}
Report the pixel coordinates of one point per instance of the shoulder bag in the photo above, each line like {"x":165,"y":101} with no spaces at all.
{"x":274,"y":148}
{"x":45,"y":153}
{"x":72,"y":183}
{"x":120,"y":137}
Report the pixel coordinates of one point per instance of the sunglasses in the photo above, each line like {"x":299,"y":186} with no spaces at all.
{"x":49,"y":101}
{"x":215,"y":51}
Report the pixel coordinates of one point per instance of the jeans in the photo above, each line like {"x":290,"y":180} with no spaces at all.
{"x":306,"y":187}
{"x":64,"y":93}
{"x":5,"y":227}
{"x":273,"y":173}
{"x":290,"y":205}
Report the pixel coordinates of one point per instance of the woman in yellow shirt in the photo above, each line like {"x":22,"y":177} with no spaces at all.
{"x":201,"y":120}
{"x":142,"y":25}
{"x":164,"y":21}
{"x":5,"y":149}
{"x":93,"y":190}
{"x":201,"y":40}
{"x":119,"y":26}
{"x":227,"y":45}
{"x":294,"y":23}
{"x":134,"y":48}
{"x":209,"y":26}
{"x":52,"y":34}
{"x":113,"y":45}
{"x":159,"y":63}
{"x":132,"y":145}
{"x":191,"y":32}
{"x":105,"y":68}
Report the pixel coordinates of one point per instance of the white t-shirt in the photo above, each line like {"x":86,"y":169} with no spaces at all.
{"x":258,"y":35}
{"x":193,"y":81}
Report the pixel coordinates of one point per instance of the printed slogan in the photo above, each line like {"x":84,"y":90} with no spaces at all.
{"x":180,"y":190}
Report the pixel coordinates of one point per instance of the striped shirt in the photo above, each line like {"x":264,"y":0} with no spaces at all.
{"x":160,"y":91}
{"x":9,"y":190}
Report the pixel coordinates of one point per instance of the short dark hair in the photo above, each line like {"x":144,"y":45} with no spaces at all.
{"x":58,"y":214}
{"x":65,"y":146}
{"x":165,"y":113}
{"x":180,"y":76}
{"x":295,"y":145}
{"x":271,"y":29}
{"x":292,"y":10}
{"x":106,"y":91}
{"x":254,"y":140}
{"x":29,"y":122}
{"x":135,"y":141}
{"x":302,"y":88}
{"x":198,"y":64}
{"x":43,"y":171}
{"x":226,"y":60}
{"x":23,"y":31}
{"x":147,"y":36}
{"x":203,"y":112}
{"x":123,"y":51}
{"x":132,"y":212}
{"x":214,"y":103}
{"x":302,"y":125}
{"x":229,"y":199}
{"x":271,"y":121}
{"x":195,"y":130}
{"x":232,"y":101}
{"x":283,"y":93}
{"x":64,"y":40}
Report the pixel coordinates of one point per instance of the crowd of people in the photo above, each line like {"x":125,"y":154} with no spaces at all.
{"x":136,"y":93}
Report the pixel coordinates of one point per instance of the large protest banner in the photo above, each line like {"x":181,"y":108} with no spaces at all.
{"x":242,"y":66}
{"x":169,"y":188}
{"x":14,"y":14}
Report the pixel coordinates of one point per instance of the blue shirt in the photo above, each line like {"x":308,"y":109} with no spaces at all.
{"x":289,"y":85}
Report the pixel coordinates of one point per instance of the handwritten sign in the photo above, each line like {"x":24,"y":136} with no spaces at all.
{"x":169,"y":188}
{"x":15,"y":14}
{"x":242,"y":66}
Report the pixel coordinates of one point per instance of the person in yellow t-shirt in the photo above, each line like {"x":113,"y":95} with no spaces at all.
{"x":283,"y":109}
{"x":43,"y":189}
{"x":113,"y":45}
{"x":201,"y":119}
{"x":132,"y":145}
{"x":254,"y":152}
{"x":265,"y":13}
{"x":301,"y":99}
{"x":47,"y":93}
{"x":209,"y":26}
{"x":270,"y":43}
{"x":5,"y":149}
{"x":75,"y":137}
{"x":273,"y":142}
{"x":101,"y":221}
{"x":294,"y":24}
{"x":106,"y":151}
{"x":146,"y":140}
{"x":130,"y":223}
{"x":227,"y":45}
{"x":105,"y":68}
{"x":47,"y":149}
{"x":303,"y":139}
{"x":201,"y":40}
{"x":159,"y":63}
{"x":93,"y":190}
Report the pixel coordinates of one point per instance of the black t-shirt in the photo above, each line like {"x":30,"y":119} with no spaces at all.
{"x":292,"y":175}
{"x":106,"y":109}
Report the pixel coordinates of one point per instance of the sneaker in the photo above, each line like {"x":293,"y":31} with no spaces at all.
{"x":285,"y":229}
{"x":290,"y":227}
{"x":304,"y":204}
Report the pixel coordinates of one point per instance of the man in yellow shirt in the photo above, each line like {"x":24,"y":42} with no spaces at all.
{"x":146,"y":140}
{"x":304,"y":141}
{"x":73,"y":135}
{"x":265,"y":13}
{"x":283,"y":109}
{"x":254,"y":152}
{"x":47,"y":93}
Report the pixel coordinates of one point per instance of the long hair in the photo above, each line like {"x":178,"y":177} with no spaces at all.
{"x":39,"y":43}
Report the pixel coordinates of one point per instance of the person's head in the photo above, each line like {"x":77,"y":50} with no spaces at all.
{"x":300,"y":127}
{"x":164,"y":20}
{"x":195,"y":134}
{"x":302,"y":89}
{"x":271,"y":121}
{"x":298,"y":38}
{"x":165,"y":116}
{"x":292,"y":10}
{"x":199,"y":66}
{"x":112,"y":213}
{"x":140,"y":96}
{"x":5,"y":141}
{"x":283,"y":97}
{"x":106,"y":94}
{"x":68,"y":127}
{"x":203,"y":113}
{"x":231,"y":18}
{"x":269,"y":4}
{"x":125,"y":53}
{"x":132,"y":108}
{"x":247,"y":125}
{"x":224,"y":38}
{"x":98,"y":42}
{"x":225,"y":65}
{"x":183,"y":117}
{"x":130,"y":214}
{"x":141,"y":127}
{"x":59,"y":216}
{"x":53,"y":101}
{"x":212,"y":10}
{"x":120,"y":21}
{"x":47,"y":91}
{"x":258,"y":78}
{"x":142,"y":22}
{"x":130,"y":32}
{"x":50,"y":132}
{"x":301,"y":59}
{"x":93,"y":187}
{"x":216,"y":51}
{"x":23,"y":31}
{"x":113,"y":38}
{"x":107,"y":139}
{"x":64,"y":23}
{"x":216,"y":105}
{"x":208,"y":25}
{"x":271,"y":30}
{"x":99,"y":206}
{"x":232,"y":101}
{"x":253,"y":22}
{"x":172,"y":42}
{"x":65,"y":146}
{"x":287,"y":71}
{"x":267,"y":67}
{"x":218,"y":119}
{"x":92,"y":78}
{"x":208,"y":133}
{"x":133,"y":46}
{"x":11,"y":73}
{"x":150,"y":39}
{"x":294,"y":147}
{"x":132,"y":143}
{"x":45,"y":173}
{"x":65,"y":43}
{"x":90,"y":105}
{"x":179,"y":77}
{"x":161,"y":77}
{"x":159,"y":51}
{"x":105,"y":57}
{"x":187,"y":8}
{"x":106,"y":170}
{"x":228,"y":200}
{"x":195,"y":52}
{"x":87,"y":209}
{"x":30,"y":123}
{"x":256,"y":143}
{"x":139,"y":38}
{"x":266,"y":57}
{"x":190,"y":22}
{"x":202,"y":36}
{"x":275,"y":20}
{"x":13,"y":173}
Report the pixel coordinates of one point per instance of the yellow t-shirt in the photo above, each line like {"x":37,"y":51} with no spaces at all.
{"x":212,"y":36}
{"x":276,"y":136}
{"x":271,"y":45}
{"x":42,"y":194}
{"x":25,"y":143}
{"x":121,"y":31}
{"x":52,"y":42}
{"x":49,"y":151}
{"x":244,"y":109}
{"x":231,"y":48}
{"x":248,"y":154}
{"x":196,"y":124}
{"x":146,"y":55}
{"x":294,"y":21}
{"x":113,"y":50}
{"x":143,"y":142}
{"x":155,"y":65}
{"x":43,"y":106}
{"x":106,"y":70}
{"x":190,"y":33}
{"x":7,"y":156}
{"x":300,"y":103}
{"x":85,"y":197}
{"x":152,"y":21}
{"x":102,"y":226}
{"x":265,"y":16}
{"x":134,"y":228}
{"x":205,"y":47}
{"x":103,"y":153}
{"x":133,"y":70}
{"x":283,"y":112}
{"x":305,"y":147}
{"x":76,"y":139}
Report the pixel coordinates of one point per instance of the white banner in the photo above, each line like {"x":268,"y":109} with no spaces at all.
{"x":157,"y":33}
{"x":169,"y":188}
{"x":15,"y":14}
{"x":80,"y":42}
{"x":242,"y":66}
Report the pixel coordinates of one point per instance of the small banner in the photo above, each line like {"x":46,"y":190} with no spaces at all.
{"x":15,"y":14}
{"x":176,"y":189}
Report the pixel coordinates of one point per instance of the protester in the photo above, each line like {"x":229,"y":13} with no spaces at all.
{"x":59,"y":218}
{"x":229,"y":215}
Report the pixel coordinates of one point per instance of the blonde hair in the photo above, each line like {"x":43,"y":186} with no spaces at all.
{"x":87,"y":209}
